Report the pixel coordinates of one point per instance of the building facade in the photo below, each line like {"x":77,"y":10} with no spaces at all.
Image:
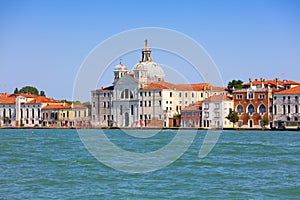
{"x":30,"y":110}
{"x":286,"y":108}
{"x":254,"y":102}
{"x":215,"y":109}
{"x":191,"y":116}
{"x":142,"y":98}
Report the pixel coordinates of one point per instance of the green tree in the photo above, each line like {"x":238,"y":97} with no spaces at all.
{"x":265,"y":122}
{"x":236,"y":84}
{"x":29,"y":90}
{"x":16,"y":91}
{"x":233,"y":117}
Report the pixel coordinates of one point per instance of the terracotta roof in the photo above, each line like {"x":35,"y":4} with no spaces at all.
{"x":104,"y":89}
{"x":290,"y":82}
{"x":273,"y":82}
{"x":42,"y":99}
{"x":58,"y":106}
{"x":181,"y":87}
{"x":195,"y":106}
{"x":294,"y":90}
{"x":219,"y":98}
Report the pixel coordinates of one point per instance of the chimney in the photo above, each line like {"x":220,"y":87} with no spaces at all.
{"x":250,"y":80}
{"x":262,"y":82}
{"x":276,"y":80}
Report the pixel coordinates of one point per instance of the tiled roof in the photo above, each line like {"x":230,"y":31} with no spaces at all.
{"x":58,"y":106}
{"x":193,"y":107}
{"x":273,"y":82}
{"x":42,"y":99}
{"x":104,"y":89}
{"x":294,"y":90}
{"x":181,"y":87}
{"x":32,"y":99}
{"x":219,"y":98}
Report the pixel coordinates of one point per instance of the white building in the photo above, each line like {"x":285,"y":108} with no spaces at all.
{"x":215,"y":109}
{"x":286,"y":108}
{"x":142,"y":98}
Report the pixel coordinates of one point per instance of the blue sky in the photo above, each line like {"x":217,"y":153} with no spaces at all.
{"x":43,"y":43}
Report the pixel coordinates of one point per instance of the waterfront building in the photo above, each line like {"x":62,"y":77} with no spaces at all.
{"x":30,"y":110}
{"x":191,"y":116}
{"x":22,"y":109}
{"x":254,"y":102}
{"x":142,"y":98}
{"x":65,"y":115}
{"x":286,"y":108}
{"x":215,"y":109}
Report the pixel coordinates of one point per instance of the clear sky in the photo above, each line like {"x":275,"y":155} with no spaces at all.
{"x":43,"y":43}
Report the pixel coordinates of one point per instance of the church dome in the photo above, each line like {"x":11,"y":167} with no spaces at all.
{"x":154,"y":70}
{"x":120,"y":67}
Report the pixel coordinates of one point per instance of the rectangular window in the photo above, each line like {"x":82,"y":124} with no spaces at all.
{"x":250,"y":95}
{"x":131,"y":109}
{"x":261,"y":96}
{"x":179,"y":94}
{"x":159,"y":116}
{"x":104,"y":117}
{"x":186,"y":94}
{"x":149,"y":103}
{"x":217,"y":105}
{"x":170,"y":94}
{"x":167,"y":102}
{"x":170,"y":102}
{"x":206,"y":106}
{"x":145,"y":94}
{"x":141,"y":116}
{"x":149,"y":94}
{"x":159,"y":102}
{"x":160,"y":93}
{"x":141,"y":103}
{"x":149,"y":117}
{"x":192,"y":94}
{"x":141,"y":94}
{"x":239,"y":96}
{"x":104,"y":104}
{"x":145,"y":103}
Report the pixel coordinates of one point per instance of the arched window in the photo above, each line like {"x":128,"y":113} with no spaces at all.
{"x":126,"y":94}
{"x":289,"y":109}
{"x":121,"y":110}
{"x":262,"y":109}
{"x":275,"y":110}
{"x":33,"y":112}
{"x":251,"y":109}
{"x":296,"y":108}
{"x":240,"y":109}
{"x":283,"y":108}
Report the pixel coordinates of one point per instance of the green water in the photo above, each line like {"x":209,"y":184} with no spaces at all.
{"x":54,"y":164}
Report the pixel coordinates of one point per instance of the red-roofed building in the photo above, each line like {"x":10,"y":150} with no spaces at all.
{"x":191,"y":116}
{"x":65,"y":115}
{"x":30,"y":110}
{"x":214,"y":111}
{"x":286,"y":108}
{"x":254,"y":102}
